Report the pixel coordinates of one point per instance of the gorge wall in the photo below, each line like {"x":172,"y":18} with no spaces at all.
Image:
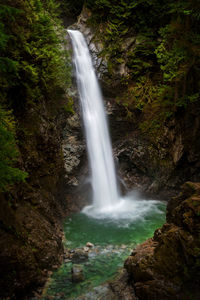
{"x":31,"y":212}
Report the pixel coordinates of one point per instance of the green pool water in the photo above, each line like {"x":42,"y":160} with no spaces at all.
{"x":113,"y":241}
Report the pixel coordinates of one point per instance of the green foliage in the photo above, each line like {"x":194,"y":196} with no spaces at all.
{"x":71,"y":8}
{"x":140,"y":61}
{"x":172,"y":54}
{"x":163,"y":59}
{"x":69,"y":107}
{"x":137,"y":13}
{"x":122,"y":19}
{"x":33,"y":62}
{"x":34,"y":68}
{"x":8,"y":151}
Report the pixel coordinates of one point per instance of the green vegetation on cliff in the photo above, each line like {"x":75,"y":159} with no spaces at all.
{"x":158,"y":45}
{"x":8,"y":151}
{"x":33,"y":68}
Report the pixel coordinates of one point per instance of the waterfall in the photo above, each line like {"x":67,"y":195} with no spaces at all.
{"x":107,"y":201}
{"x":103,"y":177}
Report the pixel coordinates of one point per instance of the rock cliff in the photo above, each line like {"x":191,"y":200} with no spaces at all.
{"x":31,"y":213}
{"x":167,"y":265}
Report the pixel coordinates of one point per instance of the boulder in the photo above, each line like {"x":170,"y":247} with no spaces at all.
{"x":90,"y":245}
{"x":86,"y":249}
{"x":79,"y":255}
{"x":77,"y":273}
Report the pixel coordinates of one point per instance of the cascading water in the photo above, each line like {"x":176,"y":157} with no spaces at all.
{"x":104,"y":181}
{"x":107,"y":202}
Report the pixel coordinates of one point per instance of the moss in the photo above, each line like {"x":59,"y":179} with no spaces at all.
{"x":69,"y":107}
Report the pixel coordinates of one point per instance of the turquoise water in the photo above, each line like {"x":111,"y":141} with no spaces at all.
{"x":113,"y":241}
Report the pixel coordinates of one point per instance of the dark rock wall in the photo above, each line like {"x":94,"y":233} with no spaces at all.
{"x":31,"y":213}
{"x":157,"y":165}
{"x":167,"y":265}
{"x":76,"y":184}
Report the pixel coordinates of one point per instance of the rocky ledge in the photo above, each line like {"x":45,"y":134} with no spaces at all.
{"x":167,"y":266}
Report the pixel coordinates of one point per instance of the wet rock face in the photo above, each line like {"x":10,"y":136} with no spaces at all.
{"x":167,"y":266}
{"x":95,"y":46}
{"x":145,"y":167}
{"x":73,"y":147}
{"x":77,"y":187}
{"x":142,"y":164}
{"x":155,"y":165}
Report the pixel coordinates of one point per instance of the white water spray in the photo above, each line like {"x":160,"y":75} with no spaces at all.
{"x":107,"y":202}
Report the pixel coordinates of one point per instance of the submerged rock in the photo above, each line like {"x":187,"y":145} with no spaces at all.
{"x":77,"y":273}
{"x":90,"y":245}
{"x":79,"y":255}
{"x":86,"y":249}
{"x":102,"y":292}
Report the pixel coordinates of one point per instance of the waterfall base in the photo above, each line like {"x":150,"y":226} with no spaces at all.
{"x":126,"y":211}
